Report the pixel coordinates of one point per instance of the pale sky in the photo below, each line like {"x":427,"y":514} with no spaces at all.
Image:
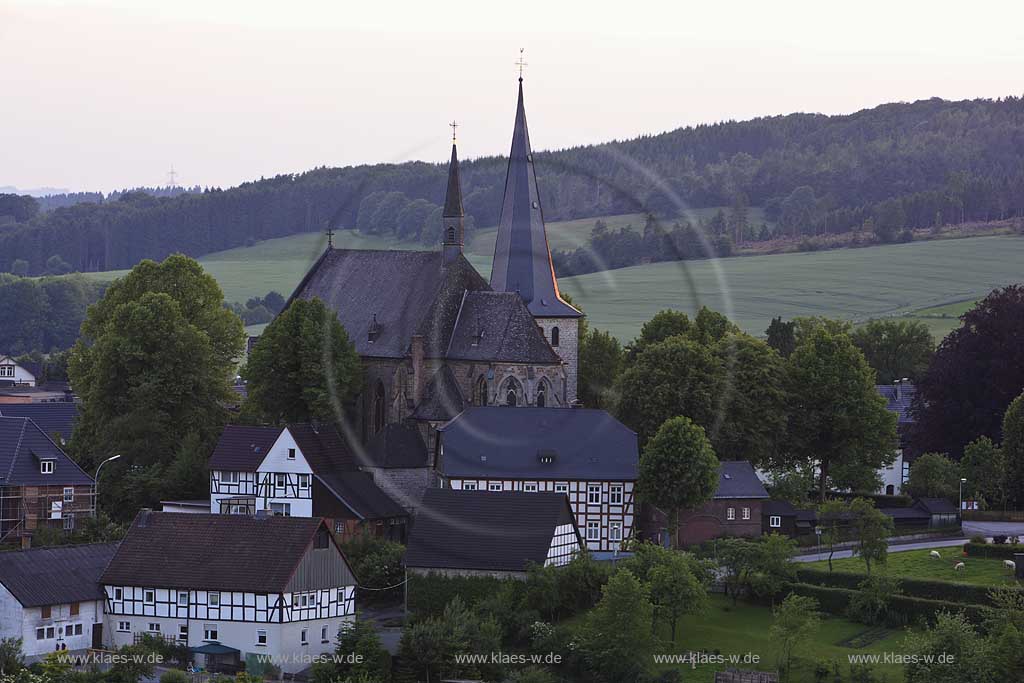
{"x":104,"y":94}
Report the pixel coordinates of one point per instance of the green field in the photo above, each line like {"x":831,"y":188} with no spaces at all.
{"x":744,"y":629}
{"x":918,"y":564}
{"x":930,"y":281}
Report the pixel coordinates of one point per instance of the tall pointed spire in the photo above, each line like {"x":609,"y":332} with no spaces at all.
{"x":522,"y":260}
{"x":453,"y":216}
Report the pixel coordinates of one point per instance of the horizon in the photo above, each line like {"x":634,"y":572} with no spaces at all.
{"x":231,"y":92}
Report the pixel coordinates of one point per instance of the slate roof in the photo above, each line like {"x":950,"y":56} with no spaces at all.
{"x":22,"y":445}
{"x":398,"y":445}
{"x":358,"y":492}
{"x":324,"y":448}
{"x":485,"y":530}
{"x":242,"y":448}
{"x":898,"y":399}
{"x":57,"y":417}
{"x":442,"y":400}
{"x":211,"y":552}
{"x":936,"y":506}
{"x":497,"y":326}
{"x":737,"y":479}
{"x":906,"y":513}
{"x":778,"y":507}
{"x":504,"y":442}
{"x":55,"y":576}
{"x":404,"y":293}
{"x":522,"y":260}
{"x":453,"y":197}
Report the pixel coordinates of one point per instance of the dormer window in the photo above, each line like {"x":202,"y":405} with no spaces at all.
{"x":546,"y":457}
{"x":291,"y":453}
{"x":46,"y":466}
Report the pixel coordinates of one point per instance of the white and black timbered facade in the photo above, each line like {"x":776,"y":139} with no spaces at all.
{"x":587,"y":455}
{"x":481,"y":533}
{"x":268,"y":587}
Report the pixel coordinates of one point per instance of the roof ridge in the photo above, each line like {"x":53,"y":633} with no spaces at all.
{"x":17,"y":448}
{"x":458,"y":316}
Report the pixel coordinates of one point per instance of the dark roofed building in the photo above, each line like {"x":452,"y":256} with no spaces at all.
{"x":495,"y":534}
{"x":586,"y":454}
{"x":42,"y":485}
{"x":51,"y":599}
{"x":899,"y":397}
{"x":56,"y":418}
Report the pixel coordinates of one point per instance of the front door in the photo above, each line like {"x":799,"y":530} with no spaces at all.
{"x":97,"y":636}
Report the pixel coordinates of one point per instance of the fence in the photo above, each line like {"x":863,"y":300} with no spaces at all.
{"x":993,"y":515}
{"x":734,"y":676}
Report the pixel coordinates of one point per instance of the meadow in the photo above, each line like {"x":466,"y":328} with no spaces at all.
{"x":930,"y":281}
{"x":919,"y":564}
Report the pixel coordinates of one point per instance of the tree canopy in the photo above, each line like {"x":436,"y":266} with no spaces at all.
{"x":895,"y":349}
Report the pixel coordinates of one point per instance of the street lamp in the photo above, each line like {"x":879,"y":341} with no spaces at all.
{"x":960,"y":512}
{"x":96,"y":480}
{"x":817,"y":532}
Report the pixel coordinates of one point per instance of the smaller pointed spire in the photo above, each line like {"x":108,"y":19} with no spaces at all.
{"x":453,"y":216}
{"x":453,"y":198}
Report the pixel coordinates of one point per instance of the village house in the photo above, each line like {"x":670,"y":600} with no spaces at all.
{"x":40,"y":486}
{"x":584,"y":454}
{"x":300,"y":470}
{"x":499,"y":534}
{"x":13,"y":373}
{"x":51,"y":599}
{"x":232,"y":588}
{"x":56,"y":418}
{"x":898,"y":398}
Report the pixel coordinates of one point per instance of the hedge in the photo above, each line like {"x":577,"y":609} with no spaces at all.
{"x":928,"y":589}
{"x":992,"y":550}
{"x":907,"y":609}
{"x":429,"y":595}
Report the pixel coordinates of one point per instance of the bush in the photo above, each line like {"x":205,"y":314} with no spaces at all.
{"x":872,"y":603}
{"x":904,"y":609}
{"x":928,"y":589}
{"x":993,"y":551}
{"x":174,"y":676}
{"x":999,"y":539}
{"x":979,"y":540}
{"x":430,"y":594}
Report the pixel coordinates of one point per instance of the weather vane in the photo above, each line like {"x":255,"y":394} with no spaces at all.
{"x":454,"y":125}
{"x":520,"y":63}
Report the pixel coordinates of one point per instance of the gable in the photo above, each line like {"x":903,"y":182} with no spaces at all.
{"x":277,"y":460}
{"x":321,"y":568}
{"x":23,"y":446}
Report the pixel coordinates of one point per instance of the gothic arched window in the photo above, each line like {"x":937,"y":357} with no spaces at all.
{"x":554,"y":336}
{"x":378,"y":408}
{"x":480,"y":391}
{"x":512,"y":391}
{"x":540,"y":397}
{"x":451,"y":234}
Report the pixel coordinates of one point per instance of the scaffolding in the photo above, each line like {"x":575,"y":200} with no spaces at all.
{"x":24,"y":509}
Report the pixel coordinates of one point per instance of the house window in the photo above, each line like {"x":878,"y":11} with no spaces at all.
{"x":154,"y":627}
{"x":76,"y":630}
{"x":339,"y":526}
{"x":615,"y":531}
{"x":124,"y":626}
{"x":530,"y":487}
{"x":615,"y":494}
{"x":322,"y":539}
{"x":304,"y":481}
{"x":593,"y":531}
{"x":261,"y":637}
{"x":46,"y":466}
{"x":75,"y":609}
{"x":149,"y":597}
{"x":304,"y":637}
{"x":229,"y":477}
{"x":209,"y":631}
{"x":119,"y":594}
{"x":281,"y":509}
{"x":69,"y":494}
{"x":214,"y":599}
{"x":183,"y":632}
{"x":469,"y":486}
{"x":593,"y":494}
{"x":554,"y":336}
{"x":730,"y":514}
{"x":6,"y":371}
{"x":69,"y":521}
{"x":561,"y":488}
{"x":323,"y":634}
{"x":494,"y":486}
{"x":775,"y":521}
{"x":746,"y":513}
{"x":44,"y":612}
{"x":183,"y":599}
{"x":44,"y":633}
{"x":281,"y":481}
{"x":291,"y":453}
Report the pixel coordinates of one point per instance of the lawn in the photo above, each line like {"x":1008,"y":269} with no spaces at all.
{"x":744,"y":629}
{"x":919,"y":564}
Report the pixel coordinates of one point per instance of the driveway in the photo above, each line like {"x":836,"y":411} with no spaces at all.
{"x":989,"y":529}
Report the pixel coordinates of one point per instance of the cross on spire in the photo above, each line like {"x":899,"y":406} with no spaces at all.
{"x":454,"y":125}
{"x":520,"y":63}
{"x":330,"y":237}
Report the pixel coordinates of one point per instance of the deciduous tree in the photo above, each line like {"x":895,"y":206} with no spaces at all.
{"x":934,"y":475}
{"x":895,"y":349}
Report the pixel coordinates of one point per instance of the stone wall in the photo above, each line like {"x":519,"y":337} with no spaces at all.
{"x":568,"y":349}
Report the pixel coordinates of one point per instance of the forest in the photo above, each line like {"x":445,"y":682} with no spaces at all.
{"x":882,"y":170}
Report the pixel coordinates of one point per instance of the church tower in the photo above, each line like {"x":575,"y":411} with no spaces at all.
{"x":454,"y":217}
{"x":522,"y":259}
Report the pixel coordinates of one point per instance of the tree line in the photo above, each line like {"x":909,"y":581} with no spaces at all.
{"x":904,"y":165}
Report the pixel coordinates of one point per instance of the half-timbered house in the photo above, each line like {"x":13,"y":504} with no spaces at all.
{"x":40,"y":486}
{"x":587,"y":455}
{"x":51,"y":599}
{"x":299,"y":471}
{"x":263,"y":588}
{"x":481,"y":533}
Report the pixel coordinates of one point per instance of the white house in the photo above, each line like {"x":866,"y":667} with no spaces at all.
{"x":233,"y":588}
{"x":51,"y":597}
{"x":19,"y":375}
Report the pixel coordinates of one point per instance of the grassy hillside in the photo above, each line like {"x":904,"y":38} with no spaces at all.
{"x":929,"y":281}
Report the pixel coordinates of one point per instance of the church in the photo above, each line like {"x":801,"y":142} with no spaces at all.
{"x":438,"y":341}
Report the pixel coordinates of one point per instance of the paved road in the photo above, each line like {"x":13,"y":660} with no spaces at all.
{"x":989,"y":529}
{"x":893,"y":548}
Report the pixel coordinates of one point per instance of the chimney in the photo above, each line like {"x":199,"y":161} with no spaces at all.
{"x":418,"y":371}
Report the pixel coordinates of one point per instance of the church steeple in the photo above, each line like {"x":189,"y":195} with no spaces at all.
{"x":454,"y":215}
{"x":522,"y":260}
